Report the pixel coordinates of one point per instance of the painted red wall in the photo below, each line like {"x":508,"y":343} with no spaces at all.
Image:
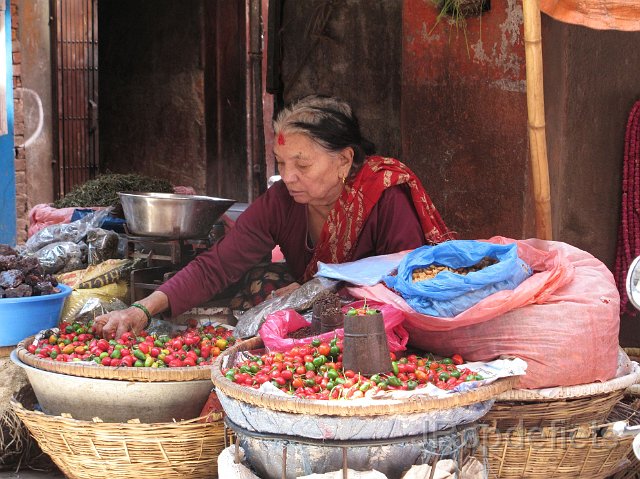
{"x":464,"y":117}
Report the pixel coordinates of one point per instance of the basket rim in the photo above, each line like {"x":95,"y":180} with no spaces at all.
{"x":19,"y":408}
{"x":95,"y":371}
{"x":595,"y":429}
{"x":574,"y":392}
{"x":632,"y":351}
{"x":347,"y":408}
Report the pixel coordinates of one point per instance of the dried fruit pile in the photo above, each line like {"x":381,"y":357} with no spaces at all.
{"x":76,"y":342}
{"x":431,"y":271}
{"x":315,"y":372}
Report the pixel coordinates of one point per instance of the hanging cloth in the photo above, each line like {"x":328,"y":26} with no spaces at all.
{"x":597,"y":14}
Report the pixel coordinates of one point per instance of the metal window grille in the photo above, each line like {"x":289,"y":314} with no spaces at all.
{"x":75,"y":37}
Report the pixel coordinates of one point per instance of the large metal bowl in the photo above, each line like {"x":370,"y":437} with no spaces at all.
{"x":171,"y":216}
{"x":116,"y":401}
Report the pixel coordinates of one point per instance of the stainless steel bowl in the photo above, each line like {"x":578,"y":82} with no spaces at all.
{"x":172,"y":216}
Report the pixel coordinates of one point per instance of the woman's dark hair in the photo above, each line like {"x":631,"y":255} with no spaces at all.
{"x":328,"y":121}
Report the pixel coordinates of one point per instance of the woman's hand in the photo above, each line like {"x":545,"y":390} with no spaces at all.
{"x":116,"y":323}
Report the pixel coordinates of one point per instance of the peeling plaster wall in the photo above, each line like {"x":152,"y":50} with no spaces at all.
{"x":36,"y":78}
{"x":464,"y":117}
{"x":457,"y":119}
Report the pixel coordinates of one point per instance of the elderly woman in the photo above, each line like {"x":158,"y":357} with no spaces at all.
{"x":334,"y":204}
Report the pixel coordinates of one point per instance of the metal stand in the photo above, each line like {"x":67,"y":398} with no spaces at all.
{"x":162,"y":257}
{"x":450,"y":443}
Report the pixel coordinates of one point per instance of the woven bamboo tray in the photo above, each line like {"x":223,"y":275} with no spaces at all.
{"x":90,"y":370}
{"x":584,"y":451}
{"x":569,"y":405}
{"x":379,"y":407}
{"x":97,"y":450}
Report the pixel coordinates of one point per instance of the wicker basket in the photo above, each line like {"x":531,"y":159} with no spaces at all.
{"x":96,"y":450}
{"x":506,"y":414}
{"x":632,"y":471}
{"x":379,"y":407}
{"x":91,"y":370}
{"x":584,"y":452}
{"x":633,"y":353}
{"x":568,"y":406}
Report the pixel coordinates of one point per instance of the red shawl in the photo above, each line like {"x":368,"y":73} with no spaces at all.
{"x":345,"y":221}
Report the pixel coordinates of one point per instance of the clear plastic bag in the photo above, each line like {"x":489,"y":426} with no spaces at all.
{"x":102,"y":244}
{"x":299,"y":300}
{"x":96,"y":306}
{"x":73,"y":232}
{"x":62,"y":256}
{"x":109,"y":297}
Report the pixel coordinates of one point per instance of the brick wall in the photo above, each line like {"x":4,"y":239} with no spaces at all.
{"x":20,"y":159}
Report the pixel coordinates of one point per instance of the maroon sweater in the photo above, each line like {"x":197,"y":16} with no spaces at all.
{"x":276,"y":219}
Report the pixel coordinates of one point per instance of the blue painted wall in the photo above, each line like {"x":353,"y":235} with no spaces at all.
{"x":7,"y":168}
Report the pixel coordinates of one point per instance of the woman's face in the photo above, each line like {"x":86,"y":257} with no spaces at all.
{"x":311,"y":174}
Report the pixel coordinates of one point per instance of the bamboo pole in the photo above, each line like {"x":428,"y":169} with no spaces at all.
{"x":536,"y":124}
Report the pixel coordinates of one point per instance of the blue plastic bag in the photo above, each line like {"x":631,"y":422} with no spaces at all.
{"x":448,"y":294}
{"x":362,"y":272}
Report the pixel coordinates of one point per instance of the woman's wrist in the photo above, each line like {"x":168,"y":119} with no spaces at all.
{"x":144,"y":313}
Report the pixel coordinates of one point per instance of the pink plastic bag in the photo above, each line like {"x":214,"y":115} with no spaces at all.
{"x":278,"y":325}
{"x":43,"y":215}
{"x":564,"y":320}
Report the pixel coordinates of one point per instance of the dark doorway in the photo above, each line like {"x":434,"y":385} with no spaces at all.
{"x":173,"y":92}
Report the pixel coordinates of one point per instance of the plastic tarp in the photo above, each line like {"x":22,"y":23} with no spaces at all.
{"x":597,"y":14}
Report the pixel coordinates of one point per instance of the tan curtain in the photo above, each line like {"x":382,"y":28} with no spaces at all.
{"x":598,"y":14}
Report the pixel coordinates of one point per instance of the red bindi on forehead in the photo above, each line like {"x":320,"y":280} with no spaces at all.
{"x":281,"y":139}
